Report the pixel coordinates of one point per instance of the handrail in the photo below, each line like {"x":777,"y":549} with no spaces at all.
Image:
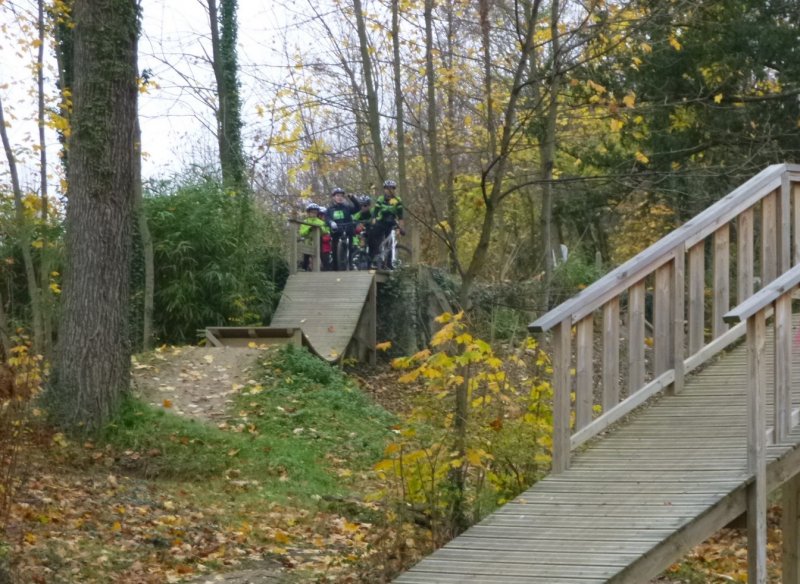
{"x":677,"y":278}
{"x":694,"y":230}
{"x":315,"y":248}
{"x":765,"y":297}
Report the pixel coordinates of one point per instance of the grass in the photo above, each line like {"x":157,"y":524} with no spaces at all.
{"x":297,"y":434}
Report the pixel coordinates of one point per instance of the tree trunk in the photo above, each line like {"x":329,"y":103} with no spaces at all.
{"x":548,"y":154}
{"x":373,"y":113}
{"x":44,"y":262}
{"x":458,"y":517}
{"x":493,"y":175}
{"x":25,"y":236}
{"x":92,"y":370}
{"x":434,"y":175}
{"x":450,"y":176}
{"x":147,"y":246}
{"x":229,"y":117}
{"x":400,"y":128}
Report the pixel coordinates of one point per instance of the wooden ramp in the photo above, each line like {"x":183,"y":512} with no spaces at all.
{"x":636,"y":486}
{"x":631,"y":503}
{"x":333,"y":309}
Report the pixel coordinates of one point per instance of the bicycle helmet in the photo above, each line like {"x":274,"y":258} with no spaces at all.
{"x":364,"y":200}
{"x":337,"y":191}
{"x":312,"y":207}
{"x":389,"y":184}
{"x":322,"y":209}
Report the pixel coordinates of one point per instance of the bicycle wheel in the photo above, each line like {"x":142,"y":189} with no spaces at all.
{"x":402,"y":256}
{"x":383,"y":260}
{"x":341,"y":256}
{"x":360,"y":260}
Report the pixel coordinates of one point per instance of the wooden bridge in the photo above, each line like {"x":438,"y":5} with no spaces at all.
{"x":701,"y":430}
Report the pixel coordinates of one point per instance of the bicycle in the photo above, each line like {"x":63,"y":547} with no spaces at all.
{"x":349,"y":255}
{"x":392,"y":255}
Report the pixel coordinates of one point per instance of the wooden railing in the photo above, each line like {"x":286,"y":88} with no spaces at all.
{"x":774,"y":300}
{"x":711,"y":257}
{"x":298,"y":248}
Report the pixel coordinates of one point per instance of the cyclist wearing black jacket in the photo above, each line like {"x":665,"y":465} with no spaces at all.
{"x":340,"y":219}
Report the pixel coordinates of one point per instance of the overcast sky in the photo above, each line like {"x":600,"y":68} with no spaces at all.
{"x":175,"y":122}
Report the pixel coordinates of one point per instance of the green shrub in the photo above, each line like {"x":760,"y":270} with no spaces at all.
{"x":218,"y":258}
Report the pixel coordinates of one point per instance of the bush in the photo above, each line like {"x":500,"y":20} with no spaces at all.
{"x":218,"y":259}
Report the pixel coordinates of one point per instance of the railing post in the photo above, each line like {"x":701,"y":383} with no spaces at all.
{"x":636,"y":320}
{"x":662,"y":317}
{"x":678,"y":316}
{"x":756,"y":449}
{"x":611,"y":354}
{"x":744,"y":256}
{"x":697,"y":287}
{"x":784,"y":225}
{"x":722,"y":279}
{"x":561,"y":395}
{"x":783,"y":367}
{"x":769,"y":238}
{"x":584,"y":372}
{"x":316,"y":234}
{"x":292,"y":248}
{"x":796,"y":222}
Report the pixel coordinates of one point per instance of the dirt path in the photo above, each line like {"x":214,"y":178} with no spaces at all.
{"x":198,"y":382}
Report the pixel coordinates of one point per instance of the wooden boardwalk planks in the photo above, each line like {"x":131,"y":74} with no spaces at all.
{"x":327,"y":307}
{"x":633,"y":501}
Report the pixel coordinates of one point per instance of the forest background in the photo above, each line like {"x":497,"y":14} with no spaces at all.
{"x":515,"y":129}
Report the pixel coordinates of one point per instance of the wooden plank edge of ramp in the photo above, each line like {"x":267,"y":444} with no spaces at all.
{"x":650,"y":563}
{"x":360,"y":284}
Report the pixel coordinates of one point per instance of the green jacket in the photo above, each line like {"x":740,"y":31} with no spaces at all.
{"x":305,"y":230}
{"x":388,"y":209}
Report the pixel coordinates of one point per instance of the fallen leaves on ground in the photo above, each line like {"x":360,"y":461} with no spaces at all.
{"x":80,"y":519}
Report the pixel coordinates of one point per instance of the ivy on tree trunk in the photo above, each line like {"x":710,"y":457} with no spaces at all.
{"x":229,"y":115}
{"x":92,"y":369}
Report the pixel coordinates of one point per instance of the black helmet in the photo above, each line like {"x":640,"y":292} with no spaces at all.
{"x":312,"y":207}
{"x":337,"y":191}
{"x":364,"y":200}
{"x":389,"y":184}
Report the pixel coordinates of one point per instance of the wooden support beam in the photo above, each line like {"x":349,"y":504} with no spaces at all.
{"x":662,"y":309}
{"x":561,"y":396}
{"x":292,"y":248}
{"x":372,"y":332}
{"x":722,"y":279}
{"x":769,"y":238}
{"x":611,"y":354}
{"x":783,"y":366}
{"x":584,"y":373}
{"x":316,"y":256}
{"x":636,"y":346}
{"x":679,"y":319}
{"x":796,"y":223}
{"x":784,"y":228}
{"x":744,"y":256}
{"x":756,"y":450}
{"x":697,"y":288}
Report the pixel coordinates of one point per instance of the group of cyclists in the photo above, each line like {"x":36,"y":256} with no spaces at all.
{"x":355,"y":232}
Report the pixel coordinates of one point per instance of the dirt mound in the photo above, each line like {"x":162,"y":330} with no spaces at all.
{"x":198,"y":382}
